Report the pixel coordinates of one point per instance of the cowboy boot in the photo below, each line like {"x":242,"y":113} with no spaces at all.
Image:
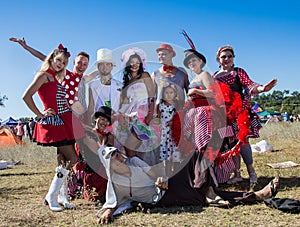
{"x":51,"y":197}
{"x":63,"y":193}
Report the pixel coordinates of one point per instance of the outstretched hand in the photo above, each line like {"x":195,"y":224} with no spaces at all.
{"x":268,"y":86}
{"x":22,"y":41}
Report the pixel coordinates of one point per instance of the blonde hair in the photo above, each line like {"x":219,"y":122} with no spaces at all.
{"x":46,"y":64}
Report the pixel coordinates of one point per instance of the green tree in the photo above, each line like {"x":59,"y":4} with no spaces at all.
{"x":2,"y":99}
{"x":286,"y":92}
{"x":281,"y":101}
{"x":295,"y":94}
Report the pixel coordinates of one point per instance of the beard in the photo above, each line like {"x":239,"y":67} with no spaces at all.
{"x":105,"y":73}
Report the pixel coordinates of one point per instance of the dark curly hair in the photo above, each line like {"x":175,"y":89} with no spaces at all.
{"x":127,"y":71}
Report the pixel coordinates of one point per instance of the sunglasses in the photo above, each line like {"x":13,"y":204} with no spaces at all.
{"x":226,"y":56}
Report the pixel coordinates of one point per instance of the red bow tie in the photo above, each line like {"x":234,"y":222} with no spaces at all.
{"x":168,"y":67}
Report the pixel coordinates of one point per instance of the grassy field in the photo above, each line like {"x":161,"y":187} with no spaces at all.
{"x":24,"y":186}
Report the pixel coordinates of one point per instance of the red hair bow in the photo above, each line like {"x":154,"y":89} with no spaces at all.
{"x":61,"y":47}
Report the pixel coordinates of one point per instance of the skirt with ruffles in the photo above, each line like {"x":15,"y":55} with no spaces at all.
{"x":58,"y":130}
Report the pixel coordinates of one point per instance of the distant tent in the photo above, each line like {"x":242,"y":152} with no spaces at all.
{"x":262,"y":113}
{"x":267,"y":113}
{"x":10,"y":122}
{"x":7,"y":138}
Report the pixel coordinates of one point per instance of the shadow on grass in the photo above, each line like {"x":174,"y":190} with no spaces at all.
{"x":24,"y":174}
{"x":8,"y":191}
{"x":177,"y":209}
{"x":287,"y":182}
{"x":148,"y":208}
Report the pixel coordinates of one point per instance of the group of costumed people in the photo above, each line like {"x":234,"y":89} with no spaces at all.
{"x":154,"y":146}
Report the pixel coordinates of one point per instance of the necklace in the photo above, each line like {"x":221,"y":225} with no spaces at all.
{"x":105,"y":80}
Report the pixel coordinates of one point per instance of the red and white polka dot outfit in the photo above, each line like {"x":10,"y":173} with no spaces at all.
{"x":71,"y":83}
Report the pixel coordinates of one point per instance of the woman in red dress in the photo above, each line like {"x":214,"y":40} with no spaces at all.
{"x":240,"y":82}
{"x":56,"y":125}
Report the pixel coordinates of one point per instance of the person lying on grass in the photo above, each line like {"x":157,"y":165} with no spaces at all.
{"x":132,"y":180}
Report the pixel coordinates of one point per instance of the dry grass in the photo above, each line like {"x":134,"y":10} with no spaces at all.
{"x":24,"y":186}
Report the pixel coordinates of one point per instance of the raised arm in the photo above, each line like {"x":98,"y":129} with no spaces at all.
{"x":91,"y":76}
{"x":31,"y":50}
{"x":267,"y":87}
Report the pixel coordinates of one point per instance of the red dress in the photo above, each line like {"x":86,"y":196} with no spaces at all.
{"x":61,"y":129}
{"x":239,"y":81}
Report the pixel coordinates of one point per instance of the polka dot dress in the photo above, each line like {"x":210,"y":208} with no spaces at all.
{"x":168,"y":149}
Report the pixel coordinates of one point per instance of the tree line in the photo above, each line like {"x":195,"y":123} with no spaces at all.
{"x":279,"y":101}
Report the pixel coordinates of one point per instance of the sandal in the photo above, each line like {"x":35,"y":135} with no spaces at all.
{"x":269,"y":191}
{"x":218,"y":203}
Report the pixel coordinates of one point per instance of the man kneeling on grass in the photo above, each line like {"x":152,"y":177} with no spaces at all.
{"x":133,"y":180}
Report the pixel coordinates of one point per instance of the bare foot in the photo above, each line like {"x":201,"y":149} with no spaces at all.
{"x":268,"y":191}
{"x":213,"y":199}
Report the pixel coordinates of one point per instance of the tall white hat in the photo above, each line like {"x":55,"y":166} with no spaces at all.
{"x":104,"y":55}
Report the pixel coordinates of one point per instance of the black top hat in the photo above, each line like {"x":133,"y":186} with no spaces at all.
{"x":103,"y":111}
{"x":192,"y":53}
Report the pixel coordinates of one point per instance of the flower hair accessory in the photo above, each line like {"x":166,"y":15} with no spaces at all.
{"x":131,"y":51}
{"x":167,"y":84}
{"x":61,"y":47}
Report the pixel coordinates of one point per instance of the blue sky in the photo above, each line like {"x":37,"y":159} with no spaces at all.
{"x":264,"y":34}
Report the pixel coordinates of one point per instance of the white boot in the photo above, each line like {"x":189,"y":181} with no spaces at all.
{"x":51,"y":197}
{"x":63,"y":193}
